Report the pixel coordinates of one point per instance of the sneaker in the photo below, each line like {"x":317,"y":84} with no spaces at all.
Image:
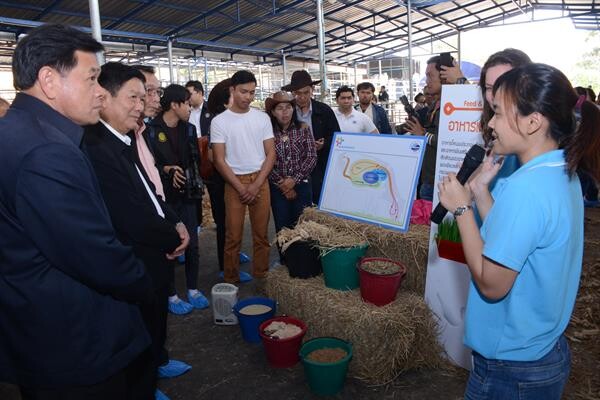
{"x":173,"y":368}
{"x":158,"y":395}
{"x":244,"y":276}
{"x":244,"y":258}
{"x":180,"y":307}
{"x":198,"y":300}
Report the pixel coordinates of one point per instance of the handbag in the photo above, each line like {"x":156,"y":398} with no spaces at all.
{"x":206,"y":167}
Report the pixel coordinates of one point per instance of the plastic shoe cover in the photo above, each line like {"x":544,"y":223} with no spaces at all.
{"x":180,"y":307}
{"x":198,"y":300}
{"x":158,"y":395}
{"x":244,"y":258}
{"x":172,"y":369}
{"x":244,"y":276}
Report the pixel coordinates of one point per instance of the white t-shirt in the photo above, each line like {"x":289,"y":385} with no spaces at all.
{"x":243,"y":136}
{"x":355,"y":122}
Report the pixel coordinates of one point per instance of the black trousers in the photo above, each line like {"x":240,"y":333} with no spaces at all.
{"x":155,"y":319}
{"x":216,"y":191}
{"x":186,"y":210}
{"x":133,"y":382}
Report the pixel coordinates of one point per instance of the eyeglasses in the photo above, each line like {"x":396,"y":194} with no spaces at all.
{"x":155,"y":92}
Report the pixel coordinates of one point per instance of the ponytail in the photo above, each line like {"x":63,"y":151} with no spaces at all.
{"x":582,"y":149}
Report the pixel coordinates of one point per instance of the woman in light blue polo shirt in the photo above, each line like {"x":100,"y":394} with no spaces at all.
{"x":525,"y":262}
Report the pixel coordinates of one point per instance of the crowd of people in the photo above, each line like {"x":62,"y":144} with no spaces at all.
{"x":104,"y":173}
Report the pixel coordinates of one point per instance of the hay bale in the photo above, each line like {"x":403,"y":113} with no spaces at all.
{"x":410,"y":248}
{"x":387,"y":340}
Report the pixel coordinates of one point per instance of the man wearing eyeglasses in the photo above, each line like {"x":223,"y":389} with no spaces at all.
{"x":321,"y":120}
{"x":168,"y":368}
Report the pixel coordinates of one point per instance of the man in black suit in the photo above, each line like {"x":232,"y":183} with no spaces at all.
{"x":199,"y":115}
{"x":69,"y":325}
{"x":140,"y":217}
{"x":321,"y":120}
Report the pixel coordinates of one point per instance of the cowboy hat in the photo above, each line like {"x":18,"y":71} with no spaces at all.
{"x":300,"y":79}
{"x":276,"y":98}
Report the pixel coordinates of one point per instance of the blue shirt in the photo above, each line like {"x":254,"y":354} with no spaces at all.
{"x":535,"y":228}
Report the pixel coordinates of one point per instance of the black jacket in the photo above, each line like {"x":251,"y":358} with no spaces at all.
{"x":205,"y":119}
{"x":64,"y":276}
{"x":324,"y":124}
{"x":161,"y":143}
{"x":132,"y":212}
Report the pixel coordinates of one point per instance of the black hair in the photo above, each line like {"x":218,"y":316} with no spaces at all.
{"x":544,"y":89}
{"x":173,"y":94}
{"x":197,"y":85}
{"x":218,"y":97}
{"x":512,"y":57}
{"x":113,"y":75}
{"x":343,"y":89}
{"x":365,"y":86}
{"x":144,"y":68}
{"x":417,"y":96}
{"x":242,"y":77}
{"x":52,"y":46}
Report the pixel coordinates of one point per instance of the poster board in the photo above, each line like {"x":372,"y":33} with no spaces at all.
{"x":372,"y":178}
{"x":447,"y":283}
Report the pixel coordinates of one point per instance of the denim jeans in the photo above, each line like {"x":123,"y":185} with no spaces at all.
{"x":286,"y":212}
{"x":521,"y":380}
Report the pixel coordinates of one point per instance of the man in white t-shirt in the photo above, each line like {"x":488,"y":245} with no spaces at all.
{"x":244,"y":154}
{"x":351,"y":120}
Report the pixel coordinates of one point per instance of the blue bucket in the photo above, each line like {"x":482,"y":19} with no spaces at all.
{"x":249,"y":324}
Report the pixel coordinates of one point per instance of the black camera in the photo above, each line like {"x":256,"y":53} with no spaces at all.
{"x":194,"y":186}
{"x":408,"y":107}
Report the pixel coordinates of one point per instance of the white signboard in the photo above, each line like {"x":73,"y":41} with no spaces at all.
{"x":448,"y":278}
{"x":372,"y":178}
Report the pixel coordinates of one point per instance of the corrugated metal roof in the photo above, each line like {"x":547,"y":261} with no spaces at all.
{"x":354,"y":29}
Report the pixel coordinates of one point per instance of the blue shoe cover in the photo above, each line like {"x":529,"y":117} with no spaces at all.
{"x":181,"y":259}
{"x":198,"y":300}
{"x":173,"y":369}
{"x":244,"y":258}
{"x":158,"y":395}
{"x":245,"y":277}
{"x":180,"y":307}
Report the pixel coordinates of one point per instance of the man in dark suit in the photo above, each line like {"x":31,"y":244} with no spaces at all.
{"x":175,"y":149}
{"x":200,"y":118}
{"x":70,"y":328}
{"x":141,"y":219}
{"x":199,"y":115}
{"x":321,"y":120}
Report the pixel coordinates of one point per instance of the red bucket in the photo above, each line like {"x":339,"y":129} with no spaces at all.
{"x":379,"y":289}
{"x":283,"y":353}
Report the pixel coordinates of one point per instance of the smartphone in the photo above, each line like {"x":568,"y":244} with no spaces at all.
{"x":446,"y":59}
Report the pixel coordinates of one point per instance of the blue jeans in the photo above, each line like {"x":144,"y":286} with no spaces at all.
{"x":286,"y":212}
{"x":522,"y":380}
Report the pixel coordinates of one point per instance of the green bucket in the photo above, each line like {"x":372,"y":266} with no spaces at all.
{"x":325,"y":379}
{"x":339,"y":267}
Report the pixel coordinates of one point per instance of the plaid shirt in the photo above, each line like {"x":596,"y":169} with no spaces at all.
{"x":296,"y":154}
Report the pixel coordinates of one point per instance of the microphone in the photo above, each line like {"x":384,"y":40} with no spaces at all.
{"x":472,"y":160}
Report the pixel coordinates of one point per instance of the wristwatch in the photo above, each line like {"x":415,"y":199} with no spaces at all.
{"x":461,"y":210}
{"x":461,"y":81}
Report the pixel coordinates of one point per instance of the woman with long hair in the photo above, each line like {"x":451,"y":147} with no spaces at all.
{"x":525,"y":262}
{"x":296,"y":157}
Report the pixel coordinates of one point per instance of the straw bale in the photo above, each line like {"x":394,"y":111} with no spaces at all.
{"x":409,"y":248}
{"x":386,"y":340}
